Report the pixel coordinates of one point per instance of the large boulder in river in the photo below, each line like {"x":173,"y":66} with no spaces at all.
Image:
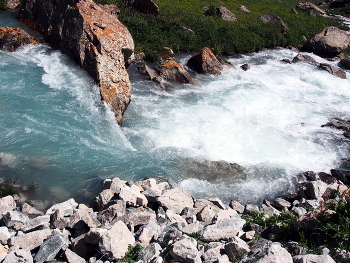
{"x":11,"y":39}
{"x":205,"y":62}
{"x":91,"y":35}
{"x":174,"y":71}
{"x":329,"y":43}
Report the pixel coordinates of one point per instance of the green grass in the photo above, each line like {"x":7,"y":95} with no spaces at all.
{"x":247,"y":34}
{"x":132,"y":254}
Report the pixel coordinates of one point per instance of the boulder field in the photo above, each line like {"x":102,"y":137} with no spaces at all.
{"x":152,"y":221}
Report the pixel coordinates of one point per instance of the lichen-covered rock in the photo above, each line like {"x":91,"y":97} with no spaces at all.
{"x":93,"y":37}
{"x":205,"y":62}
{"x":329,"y":43}
{"x":175,"y":72}
{"x":11,"y":39}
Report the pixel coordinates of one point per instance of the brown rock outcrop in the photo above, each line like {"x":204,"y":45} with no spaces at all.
{"x":12,"y":39}
{"x":311,"y":8}
{"x":174,"y":71}
{"x":205,"y":62}
{"x":329,"y":43}
{"x":91,"y":35}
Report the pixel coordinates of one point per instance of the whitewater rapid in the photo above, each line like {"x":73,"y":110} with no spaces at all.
{"x":241,"y":135}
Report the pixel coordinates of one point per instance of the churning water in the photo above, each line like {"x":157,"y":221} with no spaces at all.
{"x":241,"y":135}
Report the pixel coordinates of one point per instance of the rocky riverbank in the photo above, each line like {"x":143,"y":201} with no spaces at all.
{"x":150,"y":221}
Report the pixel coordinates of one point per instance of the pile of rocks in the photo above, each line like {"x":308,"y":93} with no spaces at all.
{"x":168,"y":222}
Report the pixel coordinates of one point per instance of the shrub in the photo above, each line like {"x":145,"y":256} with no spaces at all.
{"x":3,"y":5}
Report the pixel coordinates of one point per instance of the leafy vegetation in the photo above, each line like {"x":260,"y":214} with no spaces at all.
{"x":185,"y":26}
{"x":3,"y":5}
{"x":132,"y":254}
{"x":8,"y":188}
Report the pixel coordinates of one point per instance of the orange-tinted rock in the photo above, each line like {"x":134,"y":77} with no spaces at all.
{"x":174,"y":71}
{"x":12,"y":39}
{"x":205,"y":62}
{"x":12,"y":4}
{"x":92,"y":36}
{"x":329,"y":43}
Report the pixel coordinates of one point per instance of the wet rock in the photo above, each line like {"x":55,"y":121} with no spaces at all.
{"x":311,"y":8}
{"x":11,"y":39}
{"x":329,"y":43}
{"x":93,"y":37}
{"x":185,"y":250}
{"x":305,"y":58}
{"x":30,"y":240}
{"x":225,"y":14}
{"x":151,"y":75}
{"x":67,"y":207}
{"x":245,"y":67}
{"x":71,"y":257}
{"x":236,"y":248}
{"x":115,"y":243}
{"x":19,"y":255}
{"x":82,"y":218}
{"x":49,"y":249}
{"x":222,"y":229}
{"x":270,"y":252}
{"x":175,"y":199}
{"x":149,"y":253}
{"x":313,"y":259}
{"x":205,"y":62}
{"x":332,"y":70}
{"x":276,"y":20}
{"x":175,"y":72}
{"x":345,"y":62}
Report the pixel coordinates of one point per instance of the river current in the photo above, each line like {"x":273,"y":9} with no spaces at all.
{"x":241,"y":135}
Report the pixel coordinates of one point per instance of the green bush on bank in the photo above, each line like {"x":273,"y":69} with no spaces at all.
{"x":3,"y":5}
{"x":247,"y":34}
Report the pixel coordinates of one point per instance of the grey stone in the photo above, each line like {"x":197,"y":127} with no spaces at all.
{"x":280,"y":203}
{"x":82,"y":218}
{"x":19,"y":256}
{"x":248,"y":235}
{"x":49,"y":249}
{"x":298,"y":211}
{"x":345,"y":62}
{"x":147,"y":232}
{"x":152,"y":251}
{"x":222,"y":229}
{"x":316,"y":189}
{"x":223,"y":259}
{"x":30,"y":210}
{"x":269,"y":253}
{"x":269,"y":210}
{"x":208,"y":213}
{"x":81,"y":248}
{"x":113,"y":212}
{"x":132,"y":196}
{"x":117,"y":184}
{"x":212,"y":251}
{"x":14,"y":219}
{"x":115,"y":243}
{"x":218,"y":203}
{"x":313,"y":259}
{"x":94,"y":235}
{"x":235,"y":205}
{"x":224,"y":214}
{"x":225,"y":14}
{"x":67,"y":207}
{"x":185,"y":250}
{"x":4,"y":235}
{"x":332,"y":70}
{"x":36,"y":223}
{"x":138,"y":217}
{"x":191,"y":228}
{"x":57,"y":220}
{"x":175,"y":199}
{"x":251,"y":207}
{"x":104,"y":198}
{"x":8,"y":201}
{"x":236,"y":248}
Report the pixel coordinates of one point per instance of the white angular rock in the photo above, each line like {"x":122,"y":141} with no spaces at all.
{"x":222,"y":229}
{"x":30,"y":210}
{"x":313,"y":259}
{"x":4,"y":235}
{"x":19,"y":255}
{"x":8,"y":201}
{"x":235,"y":205}
{"x":67,"y":207}
{"x":14,"y":219}
{"x":224,"y":215}
{"x":185,"y":250}
{"x":212,"y":251}
{"x":71,"y":257}
{"x":175,"y":218}
{"x":208,"y":213}
{"x":36,"y":223}
{"x":269,"y":253}
{"x":104,"y":198}
{"x":315,"y":189}
{"x":175,"y":199}
{"x":147,"y":232}
{"x":30,"y":240}
{"x":146,"y":184}
{"x":132,"y":196}
{"x":117,"y":184}
{"x":216,"y":201}
{"x":115,"y":243}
